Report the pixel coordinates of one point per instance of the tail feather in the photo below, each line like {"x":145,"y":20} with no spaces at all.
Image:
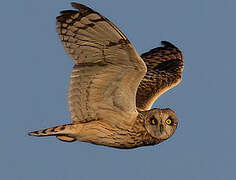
{"x":62,"y":132}
{"x":66,"y":138}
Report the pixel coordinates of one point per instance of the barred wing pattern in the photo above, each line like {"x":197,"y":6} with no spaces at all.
{"x":164,"y":71}
{"x":107,"y":69}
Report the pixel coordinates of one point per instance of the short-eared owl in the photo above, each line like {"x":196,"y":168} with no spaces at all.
{"x":112,"y":88}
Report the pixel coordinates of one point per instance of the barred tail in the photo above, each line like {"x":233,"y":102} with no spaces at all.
{"x":62,"y":132}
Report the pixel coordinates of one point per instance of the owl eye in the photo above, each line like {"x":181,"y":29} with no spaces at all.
{"x":169,"y":121}
{"x":153,"y":121}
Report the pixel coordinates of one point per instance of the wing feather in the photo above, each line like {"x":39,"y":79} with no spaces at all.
{"x":164,"y":71}
{"x":107,"y":69}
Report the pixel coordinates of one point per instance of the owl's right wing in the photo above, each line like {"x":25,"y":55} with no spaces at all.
{"x":107,"y":69}
{"x":164,"y":71}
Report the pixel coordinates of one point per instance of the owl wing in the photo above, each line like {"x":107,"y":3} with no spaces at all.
{"x":107,"y":69}
{"x":164,"y":71}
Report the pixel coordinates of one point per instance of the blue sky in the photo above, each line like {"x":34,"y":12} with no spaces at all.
{"x":34,"y":76}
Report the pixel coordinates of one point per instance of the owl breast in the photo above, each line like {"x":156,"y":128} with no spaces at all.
{"x":100,"y":133}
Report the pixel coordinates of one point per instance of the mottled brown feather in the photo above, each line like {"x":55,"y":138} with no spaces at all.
{"x":104,"y":82}
{"x":107,"y":68}
{"x":164,"y":71}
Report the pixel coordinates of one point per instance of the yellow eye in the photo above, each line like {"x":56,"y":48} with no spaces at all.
{"x":153,"y":121}
{"x":168,"y":121}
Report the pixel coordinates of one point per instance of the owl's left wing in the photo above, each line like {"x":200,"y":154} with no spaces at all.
{"x":107,"y":70}
{"x":164,"y":71}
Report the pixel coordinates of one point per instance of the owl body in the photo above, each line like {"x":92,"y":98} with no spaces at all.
{"x":148,"y":128}
{"x":130,"y":137}
{"x":112,"y":88}
{"x":121,"y":136}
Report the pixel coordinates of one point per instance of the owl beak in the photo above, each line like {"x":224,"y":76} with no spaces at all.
{"x":161,"y":128}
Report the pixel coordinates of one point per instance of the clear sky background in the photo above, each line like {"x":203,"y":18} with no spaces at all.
{"x":34,"y":76}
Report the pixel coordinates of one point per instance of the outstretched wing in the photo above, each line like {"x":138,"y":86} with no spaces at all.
{"x":164,"y":71}
{"x":107,"y":68}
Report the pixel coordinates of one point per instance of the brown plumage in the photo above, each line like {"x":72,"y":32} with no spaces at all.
{"x":164,"y":71}
{"x":107,"y":75}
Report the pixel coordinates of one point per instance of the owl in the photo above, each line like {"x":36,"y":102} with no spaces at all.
{"x":111,"y":87}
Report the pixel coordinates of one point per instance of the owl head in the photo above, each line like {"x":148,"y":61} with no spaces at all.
{"x":161,"y":123}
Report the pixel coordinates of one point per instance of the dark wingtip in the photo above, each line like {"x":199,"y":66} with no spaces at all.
{"x":31,"y":133}
{"x":76,"y":5}
{"x":167,"y":44}
{"x":80,"y":7}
